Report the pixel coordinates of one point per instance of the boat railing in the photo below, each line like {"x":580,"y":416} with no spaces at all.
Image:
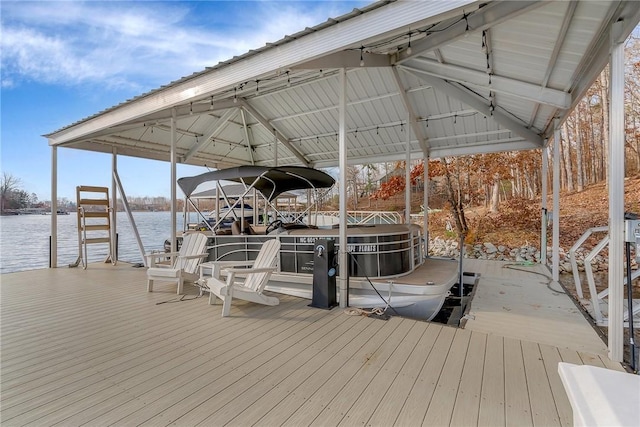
{"x":376,"y":255}
{"x":357,"y":217}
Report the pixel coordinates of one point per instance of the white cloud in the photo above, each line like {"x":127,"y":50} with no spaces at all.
{"x":139,"y":45}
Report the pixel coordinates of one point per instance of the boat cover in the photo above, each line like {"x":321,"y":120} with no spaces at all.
{"x":270,"y":181}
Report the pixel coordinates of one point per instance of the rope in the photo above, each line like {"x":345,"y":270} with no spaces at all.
{"x":376,"y":311}
{"x":200,"y":284}
{"x":387,"y":303}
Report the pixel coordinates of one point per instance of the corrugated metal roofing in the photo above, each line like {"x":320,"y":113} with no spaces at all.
{"x":479,"y":77}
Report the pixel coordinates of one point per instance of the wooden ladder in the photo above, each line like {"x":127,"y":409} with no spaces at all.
{"x":95,"y":208}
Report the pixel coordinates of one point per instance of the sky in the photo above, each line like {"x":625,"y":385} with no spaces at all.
{"x":62,"y":61}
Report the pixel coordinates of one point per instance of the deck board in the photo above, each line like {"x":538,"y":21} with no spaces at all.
{"x":368,"y":369}
{"x":243,"y":393}
{"x":372,"y":394}
{"x":492,"y":399}
{"x":551,"y":358}
{"x":306,"y":388}
{"x":517,"y":406}
{"x":543,"y":408}
{"x":332,"y":384}
{"x":467,"y":404}
{"x":523,"y":302}
{"x":93,"y":347}
{"x":415,"y":406}
{"x":399,"y":390}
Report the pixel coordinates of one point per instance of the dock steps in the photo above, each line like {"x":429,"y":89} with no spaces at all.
{"x":94,"y":222}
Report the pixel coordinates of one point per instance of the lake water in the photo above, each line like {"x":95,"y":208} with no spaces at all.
{"x":24,"y":239}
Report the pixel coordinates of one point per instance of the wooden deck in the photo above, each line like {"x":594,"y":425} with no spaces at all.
{"x":93,"y":347}
{"x":521,"y":301}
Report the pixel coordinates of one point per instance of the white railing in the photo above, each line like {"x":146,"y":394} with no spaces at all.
{"x":598,"y":299}
{"x":326,"y":218}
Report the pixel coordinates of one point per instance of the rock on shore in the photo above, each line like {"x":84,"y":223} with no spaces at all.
{"x":449,"y":248}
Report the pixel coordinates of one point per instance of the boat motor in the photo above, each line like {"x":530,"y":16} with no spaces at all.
{"x":324,"y":275}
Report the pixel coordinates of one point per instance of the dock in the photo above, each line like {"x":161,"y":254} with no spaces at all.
{"x":93,"y":347}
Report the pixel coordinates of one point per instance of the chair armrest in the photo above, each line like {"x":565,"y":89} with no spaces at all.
{"x":217,"y":267}
{"x":194,"y":256}
{"x":153,"y":257}
{"x":248,"y":270}
{"x":160,"y":255}
{"x":231,"y":263}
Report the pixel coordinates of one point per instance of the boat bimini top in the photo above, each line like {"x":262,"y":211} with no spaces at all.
{"x":269,"y":181}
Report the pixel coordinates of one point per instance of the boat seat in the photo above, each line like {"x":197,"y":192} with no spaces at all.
{"x":236,"y":228}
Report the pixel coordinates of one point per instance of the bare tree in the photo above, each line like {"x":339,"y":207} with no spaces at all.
{"x":8,"y":185}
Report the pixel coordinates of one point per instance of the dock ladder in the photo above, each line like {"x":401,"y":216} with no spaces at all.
{"x":94,"y":222}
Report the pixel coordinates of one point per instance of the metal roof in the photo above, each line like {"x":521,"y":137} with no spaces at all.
{"x":460,"y":76}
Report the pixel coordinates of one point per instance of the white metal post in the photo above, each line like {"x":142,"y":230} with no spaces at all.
{"x":544,"y":211}
{"x":407,"y":174}
{"x":114,"y":204}
{"x":174,"y":141}
{"x":342,"y":144}
{"x":555,"y":243}
{"x":53,"y":260}
{"x":425,"y":218}
{"x":616,"y":198}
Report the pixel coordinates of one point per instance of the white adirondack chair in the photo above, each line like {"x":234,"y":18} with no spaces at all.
{"x":185,"y":263}
{"x":257,"y":276}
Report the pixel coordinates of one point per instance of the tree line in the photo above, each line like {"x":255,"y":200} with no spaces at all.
{"x":13,"y":198}
{"x":488,"y":179}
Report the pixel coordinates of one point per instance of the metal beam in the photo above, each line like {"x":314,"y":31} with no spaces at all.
{"x":485,"y":17}
{"x":279,"y":136}
{"x":501,"y":145}
{"x":165,"y":116}
{"x":562,"y":35}
{"x":480,"y":104}
{"x":53,"y":255}
{"x":346,"y":59}
{"x":495,"y":83}
{"x":281,"y":55}
{"x":174,"y":156}
{"x":335,"y":107}
{"x":413,"y":124}
{"x":217,"y":128}
{"x":597,"y":55}
{"x":343,"y":256}
{"x":245,"y":128}
{"x":616,"y":199}
{"x":555,"y":232}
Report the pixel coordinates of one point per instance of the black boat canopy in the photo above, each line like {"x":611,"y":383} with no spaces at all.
{"x":270,"y":181}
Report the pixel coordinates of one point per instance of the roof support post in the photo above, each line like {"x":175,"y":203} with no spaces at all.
{"x":343,"y":257}
{"x":616,"y":198}
{"x":555,"y":242}
{"x":543,"y":207}
{"x":173,"y":180}
{"x":53,"y":254}
{"x":407,"y":175}
{"x":114,"y":204}
{"x":425,"y":204}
